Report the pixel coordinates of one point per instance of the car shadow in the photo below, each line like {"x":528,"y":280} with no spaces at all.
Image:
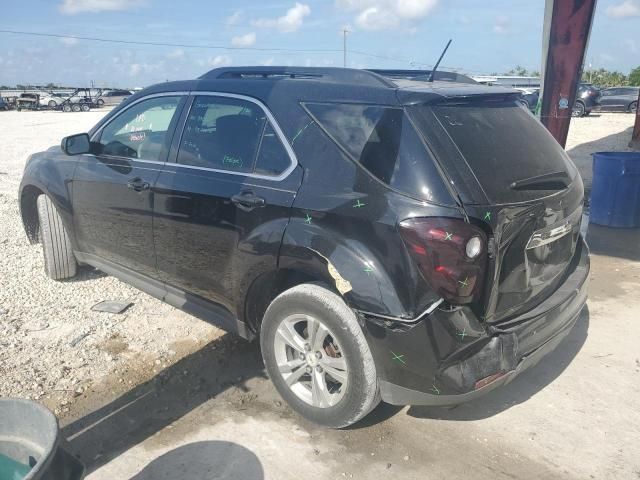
{"x":521,"y":388}
{"x":202,"y":460}
{"x":103,"y":434}
{"x":86,"y":273}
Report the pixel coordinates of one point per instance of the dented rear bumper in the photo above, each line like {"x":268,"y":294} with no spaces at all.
{"x":451,"y":357}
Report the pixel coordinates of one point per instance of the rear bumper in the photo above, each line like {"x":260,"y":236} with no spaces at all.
{"x":461,"y":359}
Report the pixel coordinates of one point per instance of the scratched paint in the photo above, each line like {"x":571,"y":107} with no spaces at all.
{"x":342,"y":284}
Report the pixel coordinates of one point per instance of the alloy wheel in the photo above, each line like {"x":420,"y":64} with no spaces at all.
{"x":310,"y":360}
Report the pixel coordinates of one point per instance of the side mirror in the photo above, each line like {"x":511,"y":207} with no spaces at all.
{"x":76,"y":144}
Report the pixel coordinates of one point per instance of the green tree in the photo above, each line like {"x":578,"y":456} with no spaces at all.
{"x":634,"y":77}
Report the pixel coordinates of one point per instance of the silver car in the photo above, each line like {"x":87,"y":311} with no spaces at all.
{"x":112,"y":97}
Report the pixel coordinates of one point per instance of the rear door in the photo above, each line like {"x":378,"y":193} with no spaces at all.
{"x":222,"y":206}
{"x":112,"y":190}
{"x":612,"y":99}
{"x":519,"y":184}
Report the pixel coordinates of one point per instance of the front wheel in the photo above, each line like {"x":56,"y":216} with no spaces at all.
{"x":51,"y":104}
{"x":633,"y":108}
{"x":317,"y":356}
{"x":59,"y":260}
{"x":100,"y":102}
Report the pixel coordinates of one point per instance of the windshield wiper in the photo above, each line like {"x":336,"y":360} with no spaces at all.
{"x":546,"y":181}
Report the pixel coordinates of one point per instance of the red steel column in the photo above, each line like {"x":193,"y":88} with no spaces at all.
{"x":567,"y":25}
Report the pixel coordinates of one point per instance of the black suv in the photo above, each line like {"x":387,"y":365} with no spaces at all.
{"x":384,"y":238}
{"x":587,"y":99}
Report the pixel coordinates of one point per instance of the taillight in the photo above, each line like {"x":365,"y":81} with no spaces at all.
{"x":451,"y":255}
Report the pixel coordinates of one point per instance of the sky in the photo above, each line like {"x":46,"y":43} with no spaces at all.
{"x":488,"y":36}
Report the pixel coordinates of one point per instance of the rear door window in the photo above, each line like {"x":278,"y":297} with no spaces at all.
{"x":231,"y":134}
{"x":501,"y":143}
{"x":383,"y":141}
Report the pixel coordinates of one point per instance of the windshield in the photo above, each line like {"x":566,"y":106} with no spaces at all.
{"x":502,"y":144}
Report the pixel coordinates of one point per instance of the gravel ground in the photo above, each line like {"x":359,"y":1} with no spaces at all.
{"x":54,"y":348}
{"x":598,"y":132}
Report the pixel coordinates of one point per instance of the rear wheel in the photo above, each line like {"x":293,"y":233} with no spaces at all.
{"x":317,"y":356}
{"x":578,"y":109}
{"x":633,"y":107}
{"x":59,"y":260}
{"x":51,"y":104}
{"x":75,"y":107}
{"x":66,"y":108}
{"x":100,"y":102}
{"x":85,"y":107}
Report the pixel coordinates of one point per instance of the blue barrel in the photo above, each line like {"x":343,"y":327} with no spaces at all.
{"x":615,"y":190}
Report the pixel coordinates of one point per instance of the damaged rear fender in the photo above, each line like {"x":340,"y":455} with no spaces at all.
{"x":347,"y":264}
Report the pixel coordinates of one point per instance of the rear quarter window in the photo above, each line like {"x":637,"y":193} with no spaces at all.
{"x":384,"y":142}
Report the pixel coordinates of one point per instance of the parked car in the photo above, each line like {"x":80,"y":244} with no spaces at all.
{"x":587,"y":99}
{"x":51,"y":100}
{"x":28,"y":101}
{"x":408,"y":241}
{"x":112,"y":97}
{"x":3,"y":105}
{"x":530,"y":97}
{"x":620,"y":99}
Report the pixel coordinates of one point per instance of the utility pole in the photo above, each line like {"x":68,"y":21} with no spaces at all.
{"x":344,"y":47}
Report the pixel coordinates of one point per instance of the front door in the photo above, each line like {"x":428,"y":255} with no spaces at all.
{"x":222,"y":207}
{"x":112,"y":191}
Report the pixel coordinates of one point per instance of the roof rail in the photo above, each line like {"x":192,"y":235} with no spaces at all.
{"x":423,"y":75}
{"x":343,"y":75}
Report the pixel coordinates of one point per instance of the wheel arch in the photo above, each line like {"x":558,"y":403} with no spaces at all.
{"x":266,"y":287}
{"x":29,"y":211}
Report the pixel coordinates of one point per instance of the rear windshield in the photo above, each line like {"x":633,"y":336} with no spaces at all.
{"x":384,"y":142}
{"x":502,"y":143}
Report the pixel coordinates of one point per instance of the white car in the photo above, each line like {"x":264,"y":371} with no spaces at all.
{"x":51,"y":100}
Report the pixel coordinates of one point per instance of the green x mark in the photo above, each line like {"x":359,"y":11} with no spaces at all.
{"x":398,"y":358}
{"x":464,"y":282}
{"x":358,"y":204}
{"x":435,"y":389}
{"x":487,"y":216}
{"x":368,"y":269}
{"x":449,"y":236}
{"x":307,"y":219}
{"x":462,"y":334}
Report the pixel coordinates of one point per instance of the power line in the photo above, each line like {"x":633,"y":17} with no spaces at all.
{"x":180,"y":45}
{"x":218,"y":47}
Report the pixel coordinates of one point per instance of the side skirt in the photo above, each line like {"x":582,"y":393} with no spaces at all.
{"x":198,"y":307}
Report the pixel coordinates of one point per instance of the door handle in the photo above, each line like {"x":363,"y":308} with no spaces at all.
{"x":138,"y":184}
{"x":247,"y":201}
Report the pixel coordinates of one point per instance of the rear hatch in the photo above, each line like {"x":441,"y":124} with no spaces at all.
{"x":513,"y":179}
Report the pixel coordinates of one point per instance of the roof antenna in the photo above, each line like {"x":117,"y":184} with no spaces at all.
{"x":435,"y":67}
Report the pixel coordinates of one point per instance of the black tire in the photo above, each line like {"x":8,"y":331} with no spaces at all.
{"x":85,"y":107}
{"x":633,"y":106}
{"x":578,"y":110}
{"x":100,"y":102}
{"x":75,"y":107}
{"x":66,"y":107}
{"x":361,"y":394}
{"x":59,"y":260}
{"x":524,"y":103}
{"x":52,"y":104}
